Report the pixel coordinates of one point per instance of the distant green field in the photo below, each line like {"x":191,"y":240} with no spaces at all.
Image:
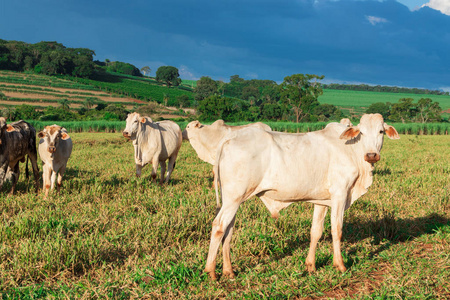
{"x":360,"y":101}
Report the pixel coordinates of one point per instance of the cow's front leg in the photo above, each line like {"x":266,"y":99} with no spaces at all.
{"x":163,"y":171}
{"x":53,"y":179}
{"x":60,"y":176}
{"x":46,"y":178}
{"x":320,"y":212}
{"x":155,"y":162}
{"x":337,"y":220}
{"x":138,"y":170}
{"x":3,"y":171}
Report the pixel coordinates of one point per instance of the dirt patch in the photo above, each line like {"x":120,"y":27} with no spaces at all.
{"x":30,"y":96}
{"x":56,"y":89}
{"x":9,"y":103}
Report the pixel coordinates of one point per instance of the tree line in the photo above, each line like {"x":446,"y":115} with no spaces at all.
{"x":382,"y":88}
{"x":405,"y":110}
{"x":296,"y":99}
{"x":48,"y":58}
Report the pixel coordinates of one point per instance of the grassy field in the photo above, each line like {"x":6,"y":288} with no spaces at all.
{"x":110,"y":235}
{"x":359,"y":101}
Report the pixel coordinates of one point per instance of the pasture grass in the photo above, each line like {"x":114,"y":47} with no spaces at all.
{"x":359,"y":101}
{"x":111,"y":235}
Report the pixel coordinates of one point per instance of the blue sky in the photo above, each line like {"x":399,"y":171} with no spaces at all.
{"x":392,"y":42}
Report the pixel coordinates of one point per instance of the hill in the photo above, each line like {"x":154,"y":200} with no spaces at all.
{"x":41,"y":91}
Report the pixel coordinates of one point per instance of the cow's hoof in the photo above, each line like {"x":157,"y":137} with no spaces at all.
{"x":341,"y":267}
{"x":213,"y":276}
{"x":310,"y":267}
{"x":229,"y":274}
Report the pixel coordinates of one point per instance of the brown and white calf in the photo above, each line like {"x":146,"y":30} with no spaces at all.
{"x":17,"y":140}
{"x":55,"y":147}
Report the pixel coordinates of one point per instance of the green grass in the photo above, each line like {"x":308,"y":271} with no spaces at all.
{"x":140,"y":88}
{"x":114,"y":236}
{"x":359,"y":101}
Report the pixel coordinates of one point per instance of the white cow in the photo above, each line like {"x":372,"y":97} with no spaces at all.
{"x":330,"y":168}
{"x":205,"y":139}
{"x":154,"y":142}
{"x":55,"y":147}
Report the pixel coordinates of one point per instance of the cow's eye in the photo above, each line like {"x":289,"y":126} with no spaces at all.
{"x":381,"y":131}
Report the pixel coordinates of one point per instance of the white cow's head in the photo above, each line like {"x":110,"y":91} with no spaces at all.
{"x":52,"y":135}
{"x":370,"y":132}
{"x":191,"y":130}
{"x":133,"y":122}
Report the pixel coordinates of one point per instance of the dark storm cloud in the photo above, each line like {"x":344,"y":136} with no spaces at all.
{"x":361,"y":41}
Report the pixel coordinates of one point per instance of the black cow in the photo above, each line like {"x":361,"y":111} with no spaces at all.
{"x":17,"y":140}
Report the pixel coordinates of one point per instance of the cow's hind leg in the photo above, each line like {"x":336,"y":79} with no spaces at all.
{"x":14,"y":178}
{"x":221,"y":231}
{"x":320,"y":212}
{"x":227,"y":268}
{"x":33,"y":157}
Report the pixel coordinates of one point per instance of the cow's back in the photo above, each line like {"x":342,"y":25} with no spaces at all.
{"x":286,"y":166}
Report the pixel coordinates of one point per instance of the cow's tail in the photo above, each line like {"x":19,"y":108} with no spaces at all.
{"x":27,"y":173}
{"x":216,"y":170}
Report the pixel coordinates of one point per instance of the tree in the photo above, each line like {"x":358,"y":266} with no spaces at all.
{"x":215,"y":107}
{"x":271,"y":111}
{"x":183,"y":101}
{"x":300,"y":93}
{"x":64,"y":103}
{"x":403,"y":110}
{"x":146,"y":70}
{"x":327,"y":112}
{"x":381,"y":108}
{"x":428,"y":111}
{"x":89,"y":102}
{"x":205,"y":88}
{"x":169,"y":75}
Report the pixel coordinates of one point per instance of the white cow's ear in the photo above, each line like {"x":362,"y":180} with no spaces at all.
{"x":65,"y":136}
{"x":350,"y":133}
{"x":391,"y":132}
{"x":143,"y":120}
{"x":41,"y":134}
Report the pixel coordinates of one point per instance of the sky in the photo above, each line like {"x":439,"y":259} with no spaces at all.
{"x":391,"y":42}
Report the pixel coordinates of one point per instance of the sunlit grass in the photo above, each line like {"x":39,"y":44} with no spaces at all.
{"x":112,"y":235}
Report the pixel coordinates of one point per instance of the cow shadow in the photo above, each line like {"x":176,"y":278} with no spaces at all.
{"x":385,"y":232}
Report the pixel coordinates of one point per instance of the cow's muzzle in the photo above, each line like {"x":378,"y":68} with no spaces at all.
{"x":372,"y":157}
{"x":52,"y":149}
{"x":126,"y":134}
